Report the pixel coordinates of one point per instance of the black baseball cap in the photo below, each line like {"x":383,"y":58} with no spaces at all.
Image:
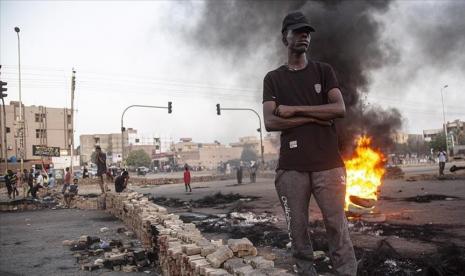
{"x":295,"y":20}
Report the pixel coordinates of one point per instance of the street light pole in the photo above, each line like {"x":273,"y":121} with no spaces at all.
{"x":260,"y":129}
{"x":444,"y":118}
{"x":20,"y":123}
{"x":122,"y":122}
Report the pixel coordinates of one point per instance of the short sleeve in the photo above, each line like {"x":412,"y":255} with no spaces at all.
{"x":329,"y":78}
{"x":269,"y":93}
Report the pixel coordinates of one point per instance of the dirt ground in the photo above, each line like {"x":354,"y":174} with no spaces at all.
{"x":423,"y":230}
{"x":424,"y":219}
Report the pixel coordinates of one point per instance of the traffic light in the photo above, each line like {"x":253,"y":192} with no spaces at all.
{"x":3,"y":89}
{"x":218,"y":109}
{"x":170,"y":107}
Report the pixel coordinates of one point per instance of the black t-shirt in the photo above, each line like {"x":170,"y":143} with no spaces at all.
{"x":119,"y":184}
{"x":309,"y":147}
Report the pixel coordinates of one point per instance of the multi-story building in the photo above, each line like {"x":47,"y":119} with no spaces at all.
{"x":43,"y":126}
{"x":455,"y":133}
{"x":112,"y":146}
{"x":271,"y":144}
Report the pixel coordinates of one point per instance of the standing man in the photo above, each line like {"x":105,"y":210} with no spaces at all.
{"x":101,"y":160}
{"x":239,"y":173}
{"x":442,"y":161}
{"x":300,"y":99}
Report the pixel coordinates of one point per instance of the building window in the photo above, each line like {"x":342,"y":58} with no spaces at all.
{"x":96,"y":141}
{"x":8,"y":130}
{"x":39,"y":117}
{"x":41,"y":133}
{"x":69,"y":119}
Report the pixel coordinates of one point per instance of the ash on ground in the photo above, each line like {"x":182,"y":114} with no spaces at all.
{"x":215,"y":200}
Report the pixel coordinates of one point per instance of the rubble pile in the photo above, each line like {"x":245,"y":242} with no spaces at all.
{"x":125,"y":255}
{"x":258,"y":228}
{"x":179,"y":248}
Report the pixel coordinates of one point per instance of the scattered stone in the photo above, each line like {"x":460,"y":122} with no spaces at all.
{"x":68,"y":243}
{"x":129,"y":234}
{"x":317,"y":255}
{"x":104,"y":229}
{"x":129,"y":268}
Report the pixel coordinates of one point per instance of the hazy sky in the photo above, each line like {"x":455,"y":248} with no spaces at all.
{"x":138,"y":53}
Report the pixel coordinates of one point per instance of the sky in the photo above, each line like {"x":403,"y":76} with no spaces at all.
{"x":128,"y":53}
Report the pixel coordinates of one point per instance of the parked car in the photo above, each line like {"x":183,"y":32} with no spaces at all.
{"x":142,"y":170}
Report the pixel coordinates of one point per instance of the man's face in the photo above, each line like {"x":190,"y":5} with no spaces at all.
{"x":298,"y":40}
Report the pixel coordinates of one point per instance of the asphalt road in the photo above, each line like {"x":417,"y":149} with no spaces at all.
{"x":31,"y":242}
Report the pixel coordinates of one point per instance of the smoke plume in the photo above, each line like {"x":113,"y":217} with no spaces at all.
{"x":347,"y":36}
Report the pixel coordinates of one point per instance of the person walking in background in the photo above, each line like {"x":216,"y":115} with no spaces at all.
{"x":30,"y":181}
{"x":239,"y":173}
{"x":13,"y":180}
{"x":101,"y":160}
{"x":253,"y":172}
{"x":25,"y":182}
{"x":51,"y":181}
{"x":187,"y":178}
{"x":442,"y":161}
{"x":8,"y":183}
{"x":67,"y":179}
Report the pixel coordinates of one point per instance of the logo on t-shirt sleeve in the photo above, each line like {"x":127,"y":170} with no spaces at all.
{"x":317,"y":88}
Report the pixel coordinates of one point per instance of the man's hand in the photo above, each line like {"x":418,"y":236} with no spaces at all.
{"x":285,"y":111}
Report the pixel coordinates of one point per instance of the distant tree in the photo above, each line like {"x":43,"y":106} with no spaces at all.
{"x":138,"y":158}
{"x":249,"y":154}
{"x":438,"y":142}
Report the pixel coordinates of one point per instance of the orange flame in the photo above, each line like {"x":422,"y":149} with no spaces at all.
{"x":364,"y":172}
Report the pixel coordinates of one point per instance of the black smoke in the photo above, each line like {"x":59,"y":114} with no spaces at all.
{"x":347,"y":36}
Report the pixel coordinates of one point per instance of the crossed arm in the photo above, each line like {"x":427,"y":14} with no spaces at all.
{"x":284,"y":116}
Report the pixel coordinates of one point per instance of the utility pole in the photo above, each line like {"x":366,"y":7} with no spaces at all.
{"x":218,"y":112}
{"x":20,"y":132}
{"x":3,"y":123}
{"x":73,"y":87}
{"x":123,"y":129}
{"x":444,"y":119}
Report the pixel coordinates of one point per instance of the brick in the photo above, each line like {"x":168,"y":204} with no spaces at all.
{"x":205,"y":251}
{"x":244,"y":270}
{"x":234,"y":264}
{"x":260,"y":262}
{"x":240,"y":244}
{"x":191,"y":249}
{"x":217,"y":258}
